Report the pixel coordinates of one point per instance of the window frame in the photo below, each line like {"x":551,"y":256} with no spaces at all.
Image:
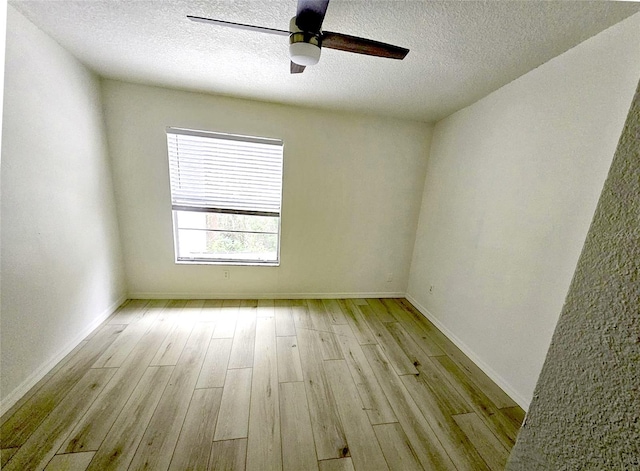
{"x":178,"y":260}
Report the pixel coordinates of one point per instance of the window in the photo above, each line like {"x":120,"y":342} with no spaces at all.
{"x":226,"y":192}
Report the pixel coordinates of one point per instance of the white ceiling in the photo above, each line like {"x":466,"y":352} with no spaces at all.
{"x":460,"y":50}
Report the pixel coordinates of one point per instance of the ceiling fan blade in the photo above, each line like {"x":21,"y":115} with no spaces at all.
{"x":258,"y":29}
{"x":344,"y":42}
{"x":296,"y":68}
{"x":310,"y":15}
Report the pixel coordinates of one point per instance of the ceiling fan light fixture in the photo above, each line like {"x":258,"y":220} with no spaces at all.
{"x":303,"y":53}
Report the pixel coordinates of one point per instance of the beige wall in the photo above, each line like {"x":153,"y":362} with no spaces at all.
{"x":585,"y":411}
{"x":351,"y":195}
{"x":3,"y":46}
{"x":61,"y":270}
{"x":511,"y":187}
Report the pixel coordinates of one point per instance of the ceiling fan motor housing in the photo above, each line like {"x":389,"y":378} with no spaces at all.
{"x":304,"y":47}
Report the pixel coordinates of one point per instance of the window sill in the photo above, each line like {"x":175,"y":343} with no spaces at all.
{"x":241,"y":263}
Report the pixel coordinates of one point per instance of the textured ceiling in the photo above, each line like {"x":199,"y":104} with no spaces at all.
{"x":460,"y":50}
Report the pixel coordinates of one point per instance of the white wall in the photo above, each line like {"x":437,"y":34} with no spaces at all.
{"x":351,"y":196}
{"x":3,"y":46}
{"x":511,"y":188}
{"x":584,"y":414}
{"x":61,"y":260}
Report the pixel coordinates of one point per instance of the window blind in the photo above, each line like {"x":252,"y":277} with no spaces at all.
{"x":224,"y":173}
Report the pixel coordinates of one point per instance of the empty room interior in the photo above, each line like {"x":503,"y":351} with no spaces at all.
{"x":239,"y":235}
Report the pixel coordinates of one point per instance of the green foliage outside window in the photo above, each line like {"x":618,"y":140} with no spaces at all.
{"x":260,"y":236}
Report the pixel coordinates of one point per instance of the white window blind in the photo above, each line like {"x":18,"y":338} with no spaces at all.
{"x":224,"y":173}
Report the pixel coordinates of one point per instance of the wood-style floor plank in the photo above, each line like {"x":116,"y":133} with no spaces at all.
{"x":448,"y":397}
{"x":336,"y":316}
{"x":415,"y":345}
{"x":515,"y":415}
{"x":264,"y":449}
{"x":214,"y":368}
{"x":453,"y":439}
{"x":51,"y":433}
{"x":325,"y":422}
{"x":171,"y":349}
{"x":6,"y":454}
{"x":96,"y":423}
{"x":70,"y":462}
{"x":329,"y":346}
{"x":397,"y":448}
{"x":300,"y":313}
{"x":266,"y":308}
{"x":226,"y":319}
{"x":398,"y":359}
{"x":18,"y":427}
{"x":211,"y":310}
{"x":285,"y":326}
{"x":499,"y":398}
{"x":45,"y":379}
{"x":163,"y":430}
{"x":289,"y":366}
{"x":342,"y":464}
{"x":355,"y":384}
{"x":128,"y":311}
{"x":193,"y":309}
{"x":319,"y":317}
{"x":298,"y":448}
{"x":489,"y":447}
{"x":363,"y":446}
{"x":120,"y":444}
{"x":228,"y":455}
{"x":395,"y":308}
{"x":500,"y":425}
{"x":194,"y":445}
{"x":373,"y":398}
{"x":381,"y":311}
{"x":356,"y":321}
{"x":424,"y":441}
{"x":119,"y":350}
{"x":413,"y":327}
{"x":244,"y":338}
{"x":233,"y":419}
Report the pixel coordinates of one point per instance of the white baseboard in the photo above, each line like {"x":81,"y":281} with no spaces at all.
{"x":37,"y":375}
{"x":490,"y":372}
{"x":144,"y":295}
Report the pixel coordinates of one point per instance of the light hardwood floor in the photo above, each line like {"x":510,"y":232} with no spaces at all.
{"x":263,"y":385}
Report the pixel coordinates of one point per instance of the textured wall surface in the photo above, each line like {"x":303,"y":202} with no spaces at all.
{"x":586,"y":407}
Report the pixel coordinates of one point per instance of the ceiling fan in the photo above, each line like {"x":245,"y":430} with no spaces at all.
{"x":306,"y":38}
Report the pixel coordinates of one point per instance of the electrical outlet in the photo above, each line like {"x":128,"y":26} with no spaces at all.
{"x":389,"y":277}
{"x":226,"y":274}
